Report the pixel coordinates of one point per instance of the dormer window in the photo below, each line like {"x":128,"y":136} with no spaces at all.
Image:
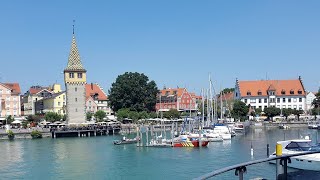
{"x":283,"y":92}
{"x":299,"y":91}
{"x":291,"y":91}
{"x":248,"y":93}
{"x":259,"y":93}
{"x":167,"y":93}
{"x":71,"y":75}
{"x":271,"y":93}
{"x":174,"y":92}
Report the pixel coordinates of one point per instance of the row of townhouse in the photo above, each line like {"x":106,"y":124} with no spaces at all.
{"x":39,"y":100}
{"x":277,"y":93}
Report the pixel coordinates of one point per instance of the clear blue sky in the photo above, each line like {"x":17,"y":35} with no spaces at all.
{"x":175,"y":43}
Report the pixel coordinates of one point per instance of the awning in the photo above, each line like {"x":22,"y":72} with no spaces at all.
{"x":16,"y":122}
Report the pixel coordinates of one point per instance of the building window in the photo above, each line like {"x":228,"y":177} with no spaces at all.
{"x":245,"y":100}
{"x":265,"y":100}
{"x":259,"y":93}
{"x":272,"y":100}
{"x":278,"y":100}
{"x":71,"y":75}
{"x":0,"y":91}
{"x":284,"y":100}
{"x":59,"y":103}
{"x":271,"y":93}
{"x":295,"y":107}
{"x":291,"y":92}
{"x":75,"y":89}
{"x":300,"y":107}
{"x":76,"y":99}
{"x":289,"y":106}
{"x":260,"y":107}
{"x":299,"y":92}
{"x":300,"y":99}
{"x":248,"y":93}
{"x":79,"y":75}
{"x":252,"y":100}
{"x":289,"y":100}
{"x":278,"y":106}
{"x":283,"y":92}
{"x":174,"y":92}
{"x":284,"y":106}
{"x":76,"y":110}
{"x":259,"y":100}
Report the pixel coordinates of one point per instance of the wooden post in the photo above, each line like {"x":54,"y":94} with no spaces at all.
{"x":138,"y":136}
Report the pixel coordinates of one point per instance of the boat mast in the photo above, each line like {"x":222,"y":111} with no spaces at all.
{"x":202,"y":96}
{"x":208,"y":112}
{"x":221,"y":114}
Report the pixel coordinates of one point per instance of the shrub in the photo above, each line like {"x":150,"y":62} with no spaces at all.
{"x":36,"y":134}
{"x":10,"y":135}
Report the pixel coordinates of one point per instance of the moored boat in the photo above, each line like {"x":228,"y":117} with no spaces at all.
{"x":305,"y":162}
{"x":126,"y":141}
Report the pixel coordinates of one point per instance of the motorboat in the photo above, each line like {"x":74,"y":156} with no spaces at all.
{"x":125,"y":141}
{"x":186,"y":141}
{"x":313,"y":125}
{"x":212,"y":136}
{"x":223,"y":131}
{"x":305,"y":162}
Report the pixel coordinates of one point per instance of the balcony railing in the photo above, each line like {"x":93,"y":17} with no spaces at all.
{"x":240,"y":169}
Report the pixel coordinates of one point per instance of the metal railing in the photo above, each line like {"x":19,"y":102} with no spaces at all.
{"x":240,"y":169}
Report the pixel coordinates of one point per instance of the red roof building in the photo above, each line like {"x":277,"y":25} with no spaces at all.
{"x":96,"y":99}
{"x":179,"y":99}
{"x":10,"y":99}
{"x":277,"y":93}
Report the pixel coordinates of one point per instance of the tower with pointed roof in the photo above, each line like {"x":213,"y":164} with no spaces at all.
{"x":75,"y":80}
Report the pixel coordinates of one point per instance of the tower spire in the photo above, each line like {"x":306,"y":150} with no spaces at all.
{"x":73,"y":27}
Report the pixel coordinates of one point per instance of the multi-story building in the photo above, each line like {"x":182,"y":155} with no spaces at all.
{"x":55,"y":102}
{"x":10,"y":99}
{"x":179,"y":99}
{"x":276,"y":93}
{"x":309,"y":99}
{"x":75,"y":80}
{"x":96,"y":99}
{"x":34,"y":94}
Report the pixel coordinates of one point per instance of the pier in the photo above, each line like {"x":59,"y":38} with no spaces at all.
{"x":85,"y":131}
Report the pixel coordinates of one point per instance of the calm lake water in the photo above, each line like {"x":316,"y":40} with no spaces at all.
{"x":98,"y":158}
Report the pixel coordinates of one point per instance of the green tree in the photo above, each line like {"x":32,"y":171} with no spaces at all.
{"x":153,"y":115}
{"x":89,"y":116}
{"x":258,"y":111}
{"x":227,"y":90}
{"x":172,"y":114}
{"x":272,"y":111}
{"x":144,"y":115}
{"x":99,"y":115}
{"x":240,"y":110}
{"x":133,"y":91}
{"x":9,"y":119}
{"x":122,"y":114}
{"x":286,"y":112}
{"x":297,"y":113}
{"x":52,"y":117}
{"x":35,"y":134}
{"x":33,"y":118}
{"x":134,"y":115}
{"x":10,"y":135}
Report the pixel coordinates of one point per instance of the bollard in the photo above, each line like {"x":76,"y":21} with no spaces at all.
{"x":279,"y":169}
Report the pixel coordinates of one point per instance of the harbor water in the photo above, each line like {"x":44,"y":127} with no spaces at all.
{"x":98,"y":158}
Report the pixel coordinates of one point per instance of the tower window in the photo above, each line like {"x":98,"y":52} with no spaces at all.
{"x":80,"y":75}
{"x":76,"y":110}
{"x":71,"y":75}
{"x":75,"y":89}
{"x":76,"y":99}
